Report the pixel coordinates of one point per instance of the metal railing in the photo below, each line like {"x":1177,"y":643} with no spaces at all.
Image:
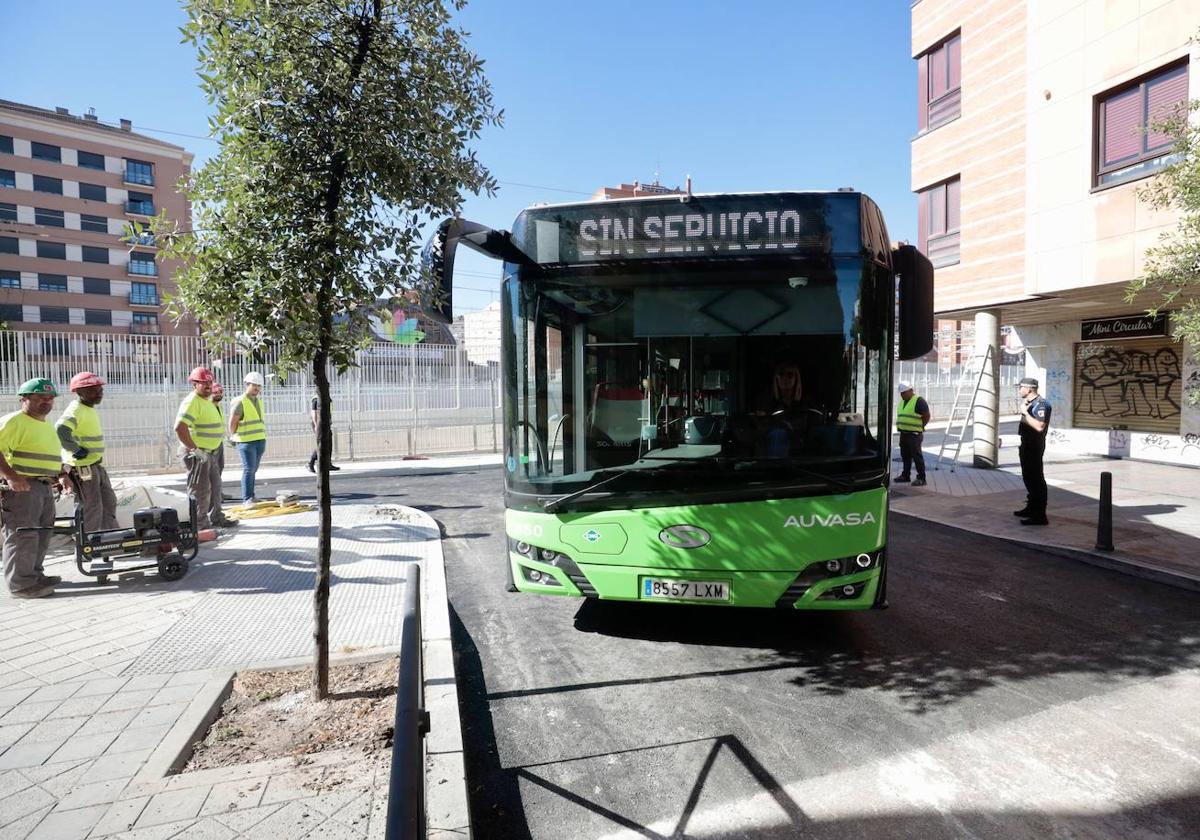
{"x":406,"y":788}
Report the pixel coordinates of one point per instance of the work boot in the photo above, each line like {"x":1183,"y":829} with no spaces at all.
{"x":40,"y":590}
{"x":225,"y":522}
{"x":49,"y":580}
{"x":312,"y":466}
{"x":1023,"y":512}
{"x":1035,"y":520}
{"x":334,"y":467}
{"x":918,"y":482}
{"x":901,"y":479}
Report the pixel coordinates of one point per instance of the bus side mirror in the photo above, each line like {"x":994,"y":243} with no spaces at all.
{"x":915,"y":327}
{"x":436,"y":292}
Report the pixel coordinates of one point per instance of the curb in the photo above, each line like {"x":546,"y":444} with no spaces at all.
{"x":447,"y":807}
{"x":174,"y":750}
{"x":1113,"y":562}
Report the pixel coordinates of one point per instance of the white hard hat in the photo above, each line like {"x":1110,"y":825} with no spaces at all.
{"x":905,"y":386}
{"x":254,"y":378}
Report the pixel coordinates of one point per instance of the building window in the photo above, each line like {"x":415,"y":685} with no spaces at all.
{"x":8,"y":212}
{"x":47,"y":185}
{"x":10,"y":279}
{"x":95,"y":286}
{"x":9,"y":245}
{"x":44,"y":151}
{"x":91,"y":160}
{"x":143,"y":294}
{"x":5,"y":145}
{"x":56,"y":315}
{"x":1128,"y":147}
{"x":52,"y":218}
{"x":95,"y":255}
{"x":94,"y":224}
{"x":938,"y":221}
{"x":97,"y":317}
{"x":142,"y":264}
{"x":93,"y":192}
{"x":939,"y":79}
{"x":8,"y":178}
{"x":52,"y":282}
{"x":52,"y":250}
{"x":11,"y":313}
{"x":139,"y":172}
{"x":140,"y":203}
{"x":144,"y":323}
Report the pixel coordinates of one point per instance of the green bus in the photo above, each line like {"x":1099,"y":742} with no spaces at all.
{"x":698,"y":395}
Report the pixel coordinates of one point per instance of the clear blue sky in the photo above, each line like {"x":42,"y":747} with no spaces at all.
{"x":787,"y":94}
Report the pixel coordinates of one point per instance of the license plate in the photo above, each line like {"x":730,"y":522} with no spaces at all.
{"x":673,"y":589}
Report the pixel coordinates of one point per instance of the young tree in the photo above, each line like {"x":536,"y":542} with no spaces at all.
{"x":1172,"y":269}
{"x":343,"y":125}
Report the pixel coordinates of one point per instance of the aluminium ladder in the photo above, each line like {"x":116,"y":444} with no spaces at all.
{"x":961,"y":411}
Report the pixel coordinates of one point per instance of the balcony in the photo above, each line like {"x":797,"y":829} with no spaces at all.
{"x":142,"y":268}
{"x":143,"y":329}
{"x":143,"y":299}
{"x":144,"y":179}
{"x":139,"y":208}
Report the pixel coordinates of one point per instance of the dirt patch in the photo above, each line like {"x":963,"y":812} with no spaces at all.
{"x":271,"y":714}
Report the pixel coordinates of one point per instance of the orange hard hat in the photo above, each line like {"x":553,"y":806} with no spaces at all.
{"x":200,"y":374}
{"x":84,"y":379}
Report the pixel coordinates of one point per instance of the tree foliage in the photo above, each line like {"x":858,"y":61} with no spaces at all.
{"x":343,"y":125}
{"x":1172,"y":267}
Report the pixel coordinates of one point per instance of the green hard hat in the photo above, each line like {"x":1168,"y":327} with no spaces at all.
{"x":38,"y":386}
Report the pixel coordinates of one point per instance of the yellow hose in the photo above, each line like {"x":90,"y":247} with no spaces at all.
{"x":264,"y":509}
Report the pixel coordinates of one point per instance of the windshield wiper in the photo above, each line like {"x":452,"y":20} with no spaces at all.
{"x":844,"y":486}
{"x":554,"y":504}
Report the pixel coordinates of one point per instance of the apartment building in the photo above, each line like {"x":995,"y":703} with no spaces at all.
{"x":69,"y":187}
{"x":1034,"y":137}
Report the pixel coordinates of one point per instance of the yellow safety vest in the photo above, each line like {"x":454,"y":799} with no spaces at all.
{"x":204,"y":421}
{"x":252,"y":426}
{"x":907,"y":419}
{"x":30,"y":446}
{"x":84,"y":423}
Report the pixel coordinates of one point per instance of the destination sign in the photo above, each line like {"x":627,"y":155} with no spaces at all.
{"x":703,"y":226}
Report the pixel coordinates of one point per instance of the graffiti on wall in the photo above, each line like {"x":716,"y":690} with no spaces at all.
{"x":1130,"y":383}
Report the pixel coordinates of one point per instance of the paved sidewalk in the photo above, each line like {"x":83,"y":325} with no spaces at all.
{"x":1156,"y":507}
{"x":99,"y":681}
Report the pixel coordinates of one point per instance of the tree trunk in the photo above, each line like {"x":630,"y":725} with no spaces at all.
{"x":320,"y":688}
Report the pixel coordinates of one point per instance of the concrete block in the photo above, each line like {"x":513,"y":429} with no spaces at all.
{"x":172,"y":805}
{"x":120,"y":816}
{"x":28,"y":755}
{"x":79,"y":747}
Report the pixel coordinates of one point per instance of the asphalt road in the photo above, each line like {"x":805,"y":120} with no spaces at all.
{"x":1006,"y":693}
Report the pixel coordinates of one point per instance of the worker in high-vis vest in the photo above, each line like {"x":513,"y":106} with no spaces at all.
{"x":31,"y":465}
{"x":82,"y":441}
{"x":912,"y":416}
{"x":201,"y":432}
{"x":248,"y":429}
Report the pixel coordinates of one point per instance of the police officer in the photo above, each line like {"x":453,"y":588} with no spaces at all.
{"x":248,"y":429}
{"x":82,"y":440}
{"x":201,"y":431}
{"x":1035,"y":422}
{"x":912,"y":416}
{"x":31,"y":464}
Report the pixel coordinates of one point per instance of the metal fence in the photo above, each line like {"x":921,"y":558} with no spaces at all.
{"x":399,"y":400}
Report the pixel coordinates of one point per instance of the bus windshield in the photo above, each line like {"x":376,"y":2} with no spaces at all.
{"x":696,"y":377}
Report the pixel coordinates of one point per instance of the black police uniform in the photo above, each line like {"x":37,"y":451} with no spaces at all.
{"x":1032,"y":451}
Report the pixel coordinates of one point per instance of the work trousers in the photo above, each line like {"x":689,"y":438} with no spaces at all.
{"x":25,"y":553}
{"x":251,"y":454}
{"x":97,"y":498}
{"x":204,"y":482}
{"x":1033,"y":473}
{"x":910,"y":452}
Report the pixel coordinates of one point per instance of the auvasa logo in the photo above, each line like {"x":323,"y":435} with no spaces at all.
{"x":833,"y":520}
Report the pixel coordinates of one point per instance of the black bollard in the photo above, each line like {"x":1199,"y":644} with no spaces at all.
{"x":1104,"y":526}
